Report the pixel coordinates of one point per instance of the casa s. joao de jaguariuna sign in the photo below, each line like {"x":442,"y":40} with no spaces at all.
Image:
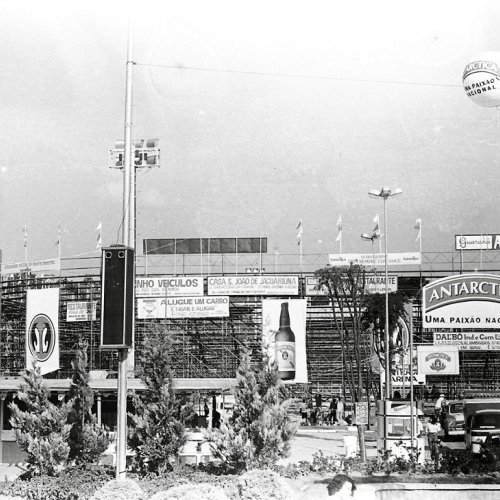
{"x":469,"y":301}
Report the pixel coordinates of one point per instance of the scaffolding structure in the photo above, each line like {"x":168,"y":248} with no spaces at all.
{"x":211,"y":347}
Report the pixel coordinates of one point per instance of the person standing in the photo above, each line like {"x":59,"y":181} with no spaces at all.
{"x":332,"y":417}
{"x":303,"y":411}
{"x":432,"y":437}
{"x":340,"y":410}
{"x":439,"y":406}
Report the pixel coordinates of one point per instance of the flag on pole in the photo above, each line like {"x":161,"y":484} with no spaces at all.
{"x":99,"y":236}
{"x":58,"y":242}
{"x":300,"y":231}
{"x":376,"y":229}
{"x":339,"y":228}
{"x":25,"y":233}
{"x":418,"y":225}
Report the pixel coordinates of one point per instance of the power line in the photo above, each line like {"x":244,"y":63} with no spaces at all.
{"x":295,"y":75}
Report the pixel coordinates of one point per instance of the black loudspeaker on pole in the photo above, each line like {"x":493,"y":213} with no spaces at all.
{"x":117,"y":297}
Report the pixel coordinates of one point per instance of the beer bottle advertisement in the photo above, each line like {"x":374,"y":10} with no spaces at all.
{"x":283,"y":327}
{"x":285,"y":346}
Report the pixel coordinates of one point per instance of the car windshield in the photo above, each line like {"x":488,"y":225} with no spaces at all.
{"x":491,"y":421}
{"x":456,"y":407}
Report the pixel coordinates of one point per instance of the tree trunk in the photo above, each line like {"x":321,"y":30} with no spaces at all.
{"x":361,"y":441}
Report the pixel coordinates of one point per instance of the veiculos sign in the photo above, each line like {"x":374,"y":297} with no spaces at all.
{"x":469,"y":301}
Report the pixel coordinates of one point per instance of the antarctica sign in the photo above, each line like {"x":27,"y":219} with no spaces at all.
{"x":470,"y":301}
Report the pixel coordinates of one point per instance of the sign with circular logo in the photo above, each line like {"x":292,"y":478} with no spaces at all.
{"x":41,"y":337}
{"x":481,"y":79}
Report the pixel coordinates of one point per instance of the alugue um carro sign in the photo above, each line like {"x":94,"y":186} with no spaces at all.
{"x":470,"y":301}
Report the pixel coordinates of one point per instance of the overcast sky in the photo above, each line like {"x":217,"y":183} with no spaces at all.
{"x":267,"y":112}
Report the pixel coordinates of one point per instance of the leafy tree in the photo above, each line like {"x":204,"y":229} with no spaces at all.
{"x":87,"y":439}
{"x":157,"y":425}
{"x":259,"y":431}
{"x":346,"y":289}
{"x":373,"y":320}
{"x":41,"y":428}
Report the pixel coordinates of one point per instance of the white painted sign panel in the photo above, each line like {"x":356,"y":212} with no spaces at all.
{"x":377,"y":259}
{"x":473,"y":241}
{"x":376,"y":284}
{"x":373,"y":284}
{"x":81,"y":311}
{"x":182,"y":307}
{"x":470,"y":301}
{"x":469,"y":341}
{"x":169,"y":286}
{"x":253,"y":285}
{"x":34,"y":266}
{"x":438,"y":360}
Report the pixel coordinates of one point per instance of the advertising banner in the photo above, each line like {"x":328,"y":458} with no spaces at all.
{"x":253,"y":285}
{"x":81,"y":311}
{"x":470,"y":301}
{"x":284,"y":333}
{"x":168,"y":286}
{"x":311,"y":287}
{"x":401,"y":372}
{"x":42,"y":329}
{"x":469,"y":341}
{"x":35,"y":266}
{"x":438,"y":360}
{"x":377,"y":259}
{"x":376,"y":284}
{"x":183,"y":307}
{"x":477,"y":242}
{"x":373,"y":284}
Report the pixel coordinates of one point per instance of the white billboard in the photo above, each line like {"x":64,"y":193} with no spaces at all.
{"x":286,"y":317}
{"x":475,"y":241}
{"x":182,"y":307}
{"x":81,"y":311}
{"x":34,"y":266}
{"x":438,"y":360}
{"x":373,"y":284}
{"x":253,"y":285}
{"x":376,"y":284}
{"x":169,"y":286}
{"x":469,"y":341}
{"x":470,"y":301}
{"x":375,"y":259}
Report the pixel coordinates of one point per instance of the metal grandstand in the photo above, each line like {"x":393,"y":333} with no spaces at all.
{"x":209,"y":347}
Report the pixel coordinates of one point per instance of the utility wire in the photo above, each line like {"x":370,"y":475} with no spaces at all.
{"x":295,"y":75}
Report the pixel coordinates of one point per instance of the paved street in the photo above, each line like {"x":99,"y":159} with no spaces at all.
{"x":330,"y":441}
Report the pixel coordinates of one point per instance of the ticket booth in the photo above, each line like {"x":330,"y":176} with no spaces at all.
{"x":397,"y":416}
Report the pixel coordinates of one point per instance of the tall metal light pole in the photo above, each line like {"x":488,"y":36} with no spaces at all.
{"x":385,"y":193}
{"x":128,"y":240}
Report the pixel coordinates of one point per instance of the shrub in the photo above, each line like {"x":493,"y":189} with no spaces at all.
{"x":157,"y":430}
{"x":263,"y":485}
{"x":259,"y":431}
{"x":41,"y":429}
{"x":87,"y":440}
{"x":73,"y":483}
{"x":199,"y":491}
{"x":123,"y":489}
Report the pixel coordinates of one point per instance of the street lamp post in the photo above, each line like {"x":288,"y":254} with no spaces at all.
{"x":385,"y":193}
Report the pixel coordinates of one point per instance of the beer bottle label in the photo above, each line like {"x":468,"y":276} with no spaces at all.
{"x":285,"y":354}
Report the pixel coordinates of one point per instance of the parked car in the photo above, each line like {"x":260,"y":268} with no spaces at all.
{"x":482,"y":423}
{"x":453,"y":419}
